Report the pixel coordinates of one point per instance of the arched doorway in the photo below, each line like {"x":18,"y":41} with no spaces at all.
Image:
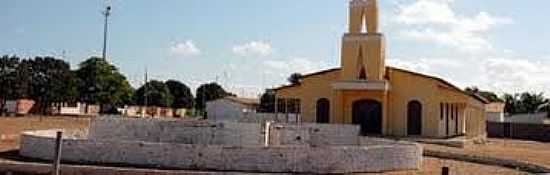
{"x":323,"y":110}
{"x":368,"y":114}
{"x":414,"y":118}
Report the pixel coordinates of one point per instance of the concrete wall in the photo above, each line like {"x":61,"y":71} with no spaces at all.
{"x":538,"y":132}
{"x":296,"y":159}
{"x":272,"y":117}
{"x":176,"y":131}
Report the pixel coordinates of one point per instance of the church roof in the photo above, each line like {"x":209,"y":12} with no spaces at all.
{"x":475,"y":96}
{"x":308,"y":75}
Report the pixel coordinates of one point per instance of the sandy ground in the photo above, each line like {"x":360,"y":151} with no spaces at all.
{"x":529,"y":151}
{"x":11,"y":127}
{"x":434,"y":166}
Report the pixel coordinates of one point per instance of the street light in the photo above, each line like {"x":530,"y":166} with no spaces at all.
{"x":106,"y":13}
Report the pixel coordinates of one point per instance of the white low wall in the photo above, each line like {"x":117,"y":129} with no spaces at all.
{"x":294,"y":159}
{"x":176,"y":131}
{"x":206,"y":145}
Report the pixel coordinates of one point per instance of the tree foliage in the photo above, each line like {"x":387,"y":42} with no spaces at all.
{"x":43,"y":79}
{"x":267,"y":102}
{"x":491,"y":96}
{"x":208,"y":92}
{"x":295,"y":78}
{"x":183,"y":98}
{"x":157,"y":94}
{"x":102,"y":83}
{"x":524,"y":103}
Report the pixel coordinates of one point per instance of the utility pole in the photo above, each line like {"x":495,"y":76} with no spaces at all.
{"x":106,"y":13}
{"x":144,"y":113}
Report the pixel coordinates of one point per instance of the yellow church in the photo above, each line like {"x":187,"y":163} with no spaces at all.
{"x":383,"y":100}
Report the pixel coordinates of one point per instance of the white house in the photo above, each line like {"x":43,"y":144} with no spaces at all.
{"x":231,"y":108}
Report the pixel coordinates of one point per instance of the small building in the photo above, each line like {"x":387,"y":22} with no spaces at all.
{"x":231,"y":108}
{"x":495,"y":112}
{"x":19,"y":107}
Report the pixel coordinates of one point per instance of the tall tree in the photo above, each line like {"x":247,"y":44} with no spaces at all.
{"x":102,"y":83}
{"x":208,"y":92}
{"x":267,"y":102}
{"x":156,"y":92}
{"x":295,"y":78}
{"x":183,"y":98}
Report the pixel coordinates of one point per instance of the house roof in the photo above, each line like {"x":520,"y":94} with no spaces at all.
{"x":475,"y":96}
{"x":244,"y":101}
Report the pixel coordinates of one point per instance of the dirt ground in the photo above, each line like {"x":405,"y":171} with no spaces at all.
{"x":10,"y":127}
{"x":434,"y":166}
{"x":529,"y":151}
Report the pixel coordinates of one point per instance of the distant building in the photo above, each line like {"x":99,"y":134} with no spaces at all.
{"x":495,"y":112}
{"x":231,"y":108}
{"x":18,"y":107}
{"x":151,"y":111}
{"x":74,"y":109}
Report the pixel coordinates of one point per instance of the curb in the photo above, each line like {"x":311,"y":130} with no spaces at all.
{"x":487,"y":160}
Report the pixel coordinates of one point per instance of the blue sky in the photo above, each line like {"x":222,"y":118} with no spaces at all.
{"x":249,"y":45}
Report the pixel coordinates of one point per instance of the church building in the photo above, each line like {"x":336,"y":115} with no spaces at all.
{"x":383,"y":100}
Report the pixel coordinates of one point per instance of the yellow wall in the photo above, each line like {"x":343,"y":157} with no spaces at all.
{"x":309,"y":91}
{"x":405,"y":87}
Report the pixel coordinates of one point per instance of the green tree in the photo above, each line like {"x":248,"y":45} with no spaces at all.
{"x":51,"y":80}
{"x":183,"y":98}
{"x":102,"y":83}
{"x":524,"y":103}
{"x":295,"y":78}
{"x":208,"y":92}
{"x":267,"y":102}
{"x":156,"y":92}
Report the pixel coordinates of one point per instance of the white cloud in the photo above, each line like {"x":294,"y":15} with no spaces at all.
{"x":253,"y":48}
{"x":295,"y":65}
{"x":502,"y":75}
{"x":436,"y":21}
{"x":185,"y":49}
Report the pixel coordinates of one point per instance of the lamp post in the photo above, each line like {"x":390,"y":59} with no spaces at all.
{"x":106,"y":13}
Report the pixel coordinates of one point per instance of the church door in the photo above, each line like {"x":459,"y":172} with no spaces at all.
{"x":368,"y":114}
{"x":414,"y":118}
{"x":323,"y":110}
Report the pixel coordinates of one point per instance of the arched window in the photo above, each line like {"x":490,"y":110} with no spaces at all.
{"x":323,"y":110}
{"x":414,"y":118}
